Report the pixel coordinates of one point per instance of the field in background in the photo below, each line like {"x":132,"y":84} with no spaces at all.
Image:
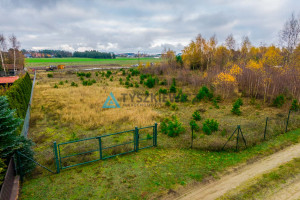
{"x":68,"y":113}
{"x":38,"y":62}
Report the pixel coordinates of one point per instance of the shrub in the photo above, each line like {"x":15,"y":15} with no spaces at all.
{"x":150,"y":83}
{"x":147,"y":93}
{"x":295,"y":106}
{"x":174,"y":106}
{"x":236,"y":108}
{"x":136,"y":85}
{"x":206,"y":129}
{"x":204,"y":93}
{"x":88,"y":75}
{"x":55,"y":86}
{"x":66,"y":81}
{"x":162,"y":91}
{"x":50,"y":75}
{"x":279,"y":101}
{"x":194,"y":125}
{"x":80,"y":74}
{"x":143,"y":77}
{"x":240,"y":101}
{"x":164,"y":82}
{"x":196,"y":116}
{"x":173,"y":89}
{"x":210,"y":126}
{"x":131,"y":85}
{"x":134,"y":72}
{"x":108,"y":73}
{"x":61,"y":82}
{"x":111,"y":78}
{"x":96,"y":73}
{"x":127,"y":83}
{"x":172,"y":127}
{"x":184,"y":98}
{"x":74,"y":84}
{"x":168,"y":103}
{"x":88,"y":82}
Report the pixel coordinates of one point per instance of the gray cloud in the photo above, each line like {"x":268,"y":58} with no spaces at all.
{"x":139,"y":25}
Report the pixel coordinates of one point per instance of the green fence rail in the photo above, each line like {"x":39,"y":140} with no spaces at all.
{"x":98,"y":144}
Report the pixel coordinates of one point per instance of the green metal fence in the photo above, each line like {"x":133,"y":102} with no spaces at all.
{"x":79,"y":152}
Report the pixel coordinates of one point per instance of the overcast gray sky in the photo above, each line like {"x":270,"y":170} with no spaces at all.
{"x":140,"y":25}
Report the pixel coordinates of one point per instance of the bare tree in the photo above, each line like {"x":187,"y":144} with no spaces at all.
{"x":2,"y":49}
{"x":289,"y":35}
{"x":230,"y":42}
{"x":15,"y":46}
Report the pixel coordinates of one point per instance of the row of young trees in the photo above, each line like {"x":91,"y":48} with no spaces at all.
{"x":260,"y":72}
{"x":10,"y":54}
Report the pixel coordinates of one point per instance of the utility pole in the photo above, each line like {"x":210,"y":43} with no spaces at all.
{"x":139,"y":57}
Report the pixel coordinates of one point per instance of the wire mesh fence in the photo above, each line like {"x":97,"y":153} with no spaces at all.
{"x":254,"y":131}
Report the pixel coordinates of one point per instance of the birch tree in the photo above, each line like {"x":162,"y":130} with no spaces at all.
{"x":15,"y":44}
{"x":2,"y":49}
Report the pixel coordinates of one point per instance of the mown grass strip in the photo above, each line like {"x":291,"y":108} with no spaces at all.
{"x":259,"y":187}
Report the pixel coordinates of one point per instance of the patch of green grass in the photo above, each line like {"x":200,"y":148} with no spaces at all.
{"x":260,"y":186}
{"x":146,"y":174}
{"x":36,"y":62}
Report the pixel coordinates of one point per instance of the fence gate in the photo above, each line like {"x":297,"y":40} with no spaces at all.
{"x":79,"y":152}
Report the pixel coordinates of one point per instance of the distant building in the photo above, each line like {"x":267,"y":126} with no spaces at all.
{"x":27,"y":55}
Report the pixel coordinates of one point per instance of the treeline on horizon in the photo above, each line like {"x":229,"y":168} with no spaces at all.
{"x":66,"y":54}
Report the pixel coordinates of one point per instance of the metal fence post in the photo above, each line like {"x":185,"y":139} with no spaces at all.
{"x":192,"y":138}
{"x":266,"y":128}
{"x":136,"y":139}
{"x":100,"y":147}
{"x":155,"y":134}
{"x":237,"y":138}
{"x":287,"y":121}
{"x":56,"y":157}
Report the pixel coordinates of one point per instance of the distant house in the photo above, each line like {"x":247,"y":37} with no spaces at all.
{"x":11,"y":71}
{"x":28,"y":55}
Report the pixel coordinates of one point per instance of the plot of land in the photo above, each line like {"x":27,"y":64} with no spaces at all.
{"x":62,"y":111}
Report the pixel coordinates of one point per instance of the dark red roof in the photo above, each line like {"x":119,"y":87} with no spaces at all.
{"x":9,"y":79}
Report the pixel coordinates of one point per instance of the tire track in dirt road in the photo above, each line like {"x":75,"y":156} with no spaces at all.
{"x":219,"y":187}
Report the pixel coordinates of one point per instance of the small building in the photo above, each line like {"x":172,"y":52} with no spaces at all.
{"x":9,"y":80}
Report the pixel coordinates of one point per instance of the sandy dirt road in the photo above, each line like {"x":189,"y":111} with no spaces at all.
{"x":291,"y":192}
{"x":219,"y":187}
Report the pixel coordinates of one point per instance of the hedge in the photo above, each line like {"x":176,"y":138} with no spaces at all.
{"x":19,"y":95}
